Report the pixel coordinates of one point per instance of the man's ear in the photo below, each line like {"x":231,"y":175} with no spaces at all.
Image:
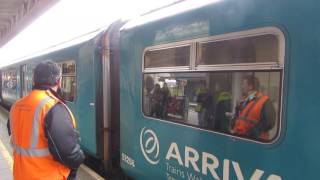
{"x":58,"y":82}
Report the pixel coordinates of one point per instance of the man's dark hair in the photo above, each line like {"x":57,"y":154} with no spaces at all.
{"x":46,"y":73}
{"x":253,"y":81}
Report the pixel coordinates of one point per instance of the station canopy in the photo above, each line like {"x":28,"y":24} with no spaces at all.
{"x":15,"y":15}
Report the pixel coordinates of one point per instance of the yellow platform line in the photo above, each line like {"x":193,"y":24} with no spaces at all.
{"x":5,"y":153}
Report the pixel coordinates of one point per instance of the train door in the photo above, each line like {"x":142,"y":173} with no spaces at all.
{"x":110,"y":93}
{"x":86,"y":98}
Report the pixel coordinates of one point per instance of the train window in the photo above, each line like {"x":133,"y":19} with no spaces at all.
{"x":9,"y":79}
{"x":256,"y":49}
{"x":178,"y":56}
{"x":212,"y":100}
{"x":233,"y":85}
{"x":10,"y":84}
{"x":68,"y":82}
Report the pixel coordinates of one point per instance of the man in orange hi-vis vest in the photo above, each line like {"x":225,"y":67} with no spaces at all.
{"x":43,"y":131}
{"x":255,"y":114}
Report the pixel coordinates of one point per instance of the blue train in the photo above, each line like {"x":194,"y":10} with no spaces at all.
{"x":156,"y":97}
{"x":85,"y":64}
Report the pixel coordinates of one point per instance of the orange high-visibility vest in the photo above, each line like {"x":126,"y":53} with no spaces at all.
{"x":32,"y":159}
{"x":250,"y":116}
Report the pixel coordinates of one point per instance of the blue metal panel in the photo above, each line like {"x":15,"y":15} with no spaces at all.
{"x":83,"y":54}
{"x":291,"y":157}
{"x":83,"y":112}
{"x":85,"y":98}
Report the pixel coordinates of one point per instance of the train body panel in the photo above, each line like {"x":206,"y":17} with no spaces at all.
{"x":90,"y":87}
{"x":79,"y":70}
{"x":152,"y":147}
{"x":162,"y":67}
{"x":86,"y":97}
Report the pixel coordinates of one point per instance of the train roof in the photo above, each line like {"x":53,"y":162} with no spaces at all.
{"x":167,"y":11}
{"x":69,"y":43}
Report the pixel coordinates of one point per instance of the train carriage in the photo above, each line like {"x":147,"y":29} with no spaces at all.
{"x":190,"y":48}
{"x":158,"y":97}
{"x":74,"y":61}
{"x":87,"y":66}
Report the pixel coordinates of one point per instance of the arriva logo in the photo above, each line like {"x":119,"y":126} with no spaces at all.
{"x":149,"y":144}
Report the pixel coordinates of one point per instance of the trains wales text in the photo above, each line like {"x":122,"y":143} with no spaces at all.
{"x":209,"y":162}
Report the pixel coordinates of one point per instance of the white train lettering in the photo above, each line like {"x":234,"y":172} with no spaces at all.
{"x":211,"y":163}
{"x":237,"y":170}
{"x":193,"y":159}
{"x":211,"y":166}
{"x":174,"y":148}
{"x":257,"y":174}
{"x":274,"y":177}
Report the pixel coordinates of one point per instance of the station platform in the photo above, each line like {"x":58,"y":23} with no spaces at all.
{"x":6,"y":162}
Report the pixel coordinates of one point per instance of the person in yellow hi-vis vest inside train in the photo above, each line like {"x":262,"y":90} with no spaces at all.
{"x":43,"y":131}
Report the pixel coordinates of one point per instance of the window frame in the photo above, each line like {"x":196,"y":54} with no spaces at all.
{"x":247,"y":66}
{"x":237,"y":67}
{"x":164,"y":47}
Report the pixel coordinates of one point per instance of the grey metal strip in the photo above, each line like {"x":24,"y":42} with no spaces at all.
{"x":32,"y":152}
{"x":35,"y":123}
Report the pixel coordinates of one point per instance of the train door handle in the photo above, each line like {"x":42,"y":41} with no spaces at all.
{"x":91,"y":104}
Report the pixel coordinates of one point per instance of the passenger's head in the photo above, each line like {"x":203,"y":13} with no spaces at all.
{"x":157,"y":86}
{"x":249,"y":83}
{"x":47,"y":74}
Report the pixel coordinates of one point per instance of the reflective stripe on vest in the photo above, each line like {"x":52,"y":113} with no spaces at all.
{"x":32,"y":151}
{"x":35,"y":123}
{"x":73,"y":120}
{"x":32,"y":158}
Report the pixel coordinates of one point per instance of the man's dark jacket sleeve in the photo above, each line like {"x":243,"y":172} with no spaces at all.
{"x":8,"y":127}
{"x":63,"y":139}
